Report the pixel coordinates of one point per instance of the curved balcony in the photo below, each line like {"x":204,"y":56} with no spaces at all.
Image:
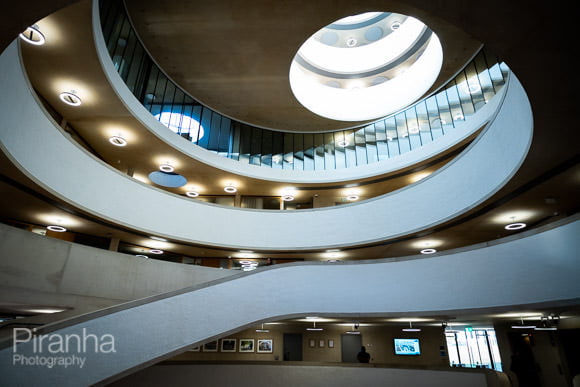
{"x":425,"y":123}
{"x":53,"y":161}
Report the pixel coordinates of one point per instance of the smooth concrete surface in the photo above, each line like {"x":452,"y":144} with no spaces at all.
{"x":453,"y":137}
{"x":502,"y":274}
{"x":307,"y":375}
{"x":58,"y":273}
{"x":39,"y":148}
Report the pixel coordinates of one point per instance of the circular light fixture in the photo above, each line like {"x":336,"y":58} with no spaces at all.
{"x":428,"y":251}
{"x":395,"y":25}
{"x":515,"y":226}
{"x":56,"y":228}
{"x":141,"y":256}
{"x":352,"y":198}
{"x":167,"y":168}
{"x":192,"y":194}
{"x":156,"y":251}
{"x":287,"y":198}
{"x":118,"y":141}
{"x":70,"y":98}
{"x":33,"y":36}
{"x":230,"y":189}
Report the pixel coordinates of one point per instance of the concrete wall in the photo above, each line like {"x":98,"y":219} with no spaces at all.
{"x":53,"y":272}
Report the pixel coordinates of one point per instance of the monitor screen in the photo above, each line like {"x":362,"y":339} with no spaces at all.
{"x":407,"y":347}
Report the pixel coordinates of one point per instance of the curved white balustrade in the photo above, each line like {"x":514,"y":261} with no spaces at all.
{"x":38,"y":146}
{"x":462,"y":131}
{"x":529,"y":269}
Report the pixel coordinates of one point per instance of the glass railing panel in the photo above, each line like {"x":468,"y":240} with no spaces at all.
{"x":402,"y":132}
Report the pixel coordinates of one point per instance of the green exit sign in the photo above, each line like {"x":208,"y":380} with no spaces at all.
{"x":469,"y":329}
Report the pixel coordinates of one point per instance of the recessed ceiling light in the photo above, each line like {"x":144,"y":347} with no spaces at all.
{"x":156,"y":251}
{"x":118,"y":141}
{"x":33,"y":36}
{"x":70,"y":98}
{"x":192,"y":194}
{"x":428,"y":251}
{"x":287,"y":198}
{"x":230,"y":189}
{"x":352,"y":198}
{"x":515,"y":226}
{"x":395,"y":25}
{"x":167,"y":168}
{"x":56,"y":228}
{"x":141,"y":256}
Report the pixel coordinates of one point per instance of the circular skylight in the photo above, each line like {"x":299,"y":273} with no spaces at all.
{"x":167,"y":179}
{"x":182,"y":124}
{"x":366,"y":66}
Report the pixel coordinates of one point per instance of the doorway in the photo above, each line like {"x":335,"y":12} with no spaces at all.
{"x":350,"y":345}
{"x":292,"y":346}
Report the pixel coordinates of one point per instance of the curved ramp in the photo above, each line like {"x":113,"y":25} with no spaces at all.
{"x":144,"y":332}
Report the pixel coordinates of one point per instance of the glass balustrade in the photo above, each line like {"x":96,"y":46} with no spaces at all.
{"x":389,"y":137}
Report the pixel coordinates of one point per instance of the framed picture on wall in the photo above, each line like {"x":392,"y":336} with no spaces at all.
{"x":228,"y":345}
{"x":321,"y":343}
{"x":264,"y":346}
{"x":211,"y":346}
{"x":312,"y":343}
{"x":247,"y":345}
{"x":330,"y":343}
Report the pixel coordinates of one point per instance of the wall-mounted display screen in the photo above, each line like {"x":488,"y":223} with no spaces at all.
{"x":407,"y":347}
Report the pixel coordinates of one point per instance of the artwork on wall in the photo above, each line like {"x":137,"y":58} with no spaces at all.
{"x":264,"y":346}
{"x":211,"y":346}
{"x":311,"y":343}
{"x":330,"y":343}
{"x":228,"y":345}
{"x":247,"y":345}
{"x":321,"y":343}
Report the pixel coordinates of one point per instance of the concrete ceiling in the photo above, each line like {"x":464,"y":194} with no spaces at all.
{"x":234,"y":56}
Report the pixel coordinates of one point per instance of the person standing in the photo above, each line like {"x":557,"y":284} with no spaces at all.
{"x":363,"y":356}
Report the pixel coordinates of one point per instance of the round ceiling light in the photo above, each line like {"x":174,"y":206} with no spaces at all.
{"x":33,"y":36}
{"x":118,"y":141}
{"x":141,"y":256}
{"x":70,"y":98}
{"x":428,"y":251}
{"x":342,"y":70}
{"x":515,"y":226}
{"x":287,"y":198}
{"x":156,"y":251}
{"x":352,"y":198}
{"x":192,"y":194}
{"x":167,"y":168}
{"x":230,"y":189}
{"x":56,"y":228}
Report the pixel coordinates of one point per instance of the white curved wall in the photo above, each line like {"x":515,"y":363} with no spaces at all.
{"x":30,"y":138}
{"x":504,"y":274}
{"x":462,"y":131}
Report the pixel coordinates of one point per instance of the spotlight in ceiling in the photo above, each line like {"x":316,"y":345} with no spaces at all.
{"x":32,"y":35}
{"x":192,"y":194}
{"x":230,"y":188}
{"x":287,"y":198}
{"x":167,"y":168}
{"x":428,"y":251}
{"x":352,"y":197}
{"x":515,"y":226}
{"x":141,"y":256}
{"x":118,"y":141}
{"x":56,"y":228}
{"x":70,"y":98}
{"x":156,"y":251}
